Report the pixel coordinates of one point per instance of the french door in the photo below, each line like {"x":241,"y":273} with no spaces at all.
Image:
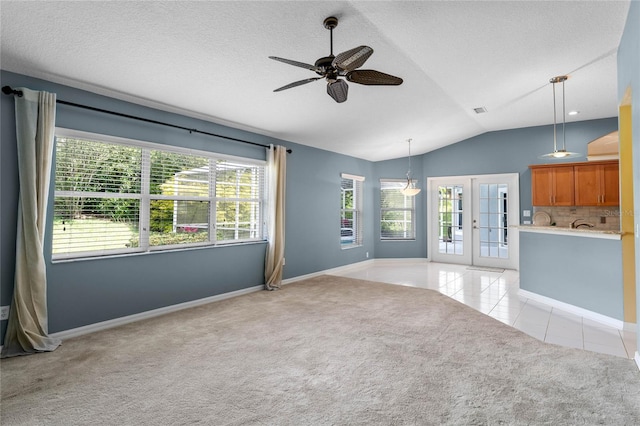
{"x":471,"y":218}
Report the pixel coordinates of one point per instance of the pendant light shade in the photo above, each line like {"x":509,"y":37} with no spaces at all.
{"x":410,"y":190}
{"x":559,"y":153}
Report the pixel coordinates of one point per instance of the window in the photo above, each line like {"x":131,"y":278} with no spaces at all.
{"x":122,"y":196}
{"x":351,"y":210}
{"x":397,"y":211}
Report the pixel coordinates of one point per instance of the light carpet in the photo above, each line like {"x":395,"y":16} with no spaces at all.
{"x":324,"y":351}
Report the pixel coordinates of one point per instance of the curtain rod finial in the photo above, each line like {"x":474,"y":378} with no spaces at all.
{"x":7,"y":90}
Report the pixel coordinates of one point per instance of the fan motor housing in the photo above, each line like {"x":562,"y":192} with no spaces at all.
{"x":325,"y":64}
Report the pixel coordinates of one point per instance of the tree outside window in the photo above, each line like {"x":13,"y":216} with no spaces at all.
{"x":351,"y":189}
{"x":397,"y":211}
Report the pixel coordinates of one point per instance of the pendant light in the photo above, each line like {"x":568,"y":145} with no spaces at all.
{"x":410,"y":190}
{"x":562,"y":153}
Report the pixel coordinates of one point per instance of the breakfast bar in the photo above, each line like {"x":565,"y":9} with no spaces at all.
{"x":576,"y":267}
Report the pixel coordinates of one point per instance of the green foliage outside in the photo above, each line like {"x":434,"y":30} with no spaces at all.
{"x":445,"y":211}
{"x":396,"y":221}
{"x":116,"y":169}
{"x":161,"y":216}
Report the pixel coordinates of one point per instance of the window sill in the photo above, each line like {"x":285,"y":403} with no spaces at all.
{"x":152,"y":252}
{"x":351,"y":246}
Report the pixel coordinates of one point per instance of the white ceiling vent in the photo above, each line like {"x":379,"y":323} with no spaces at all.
{"x":480,"y":110}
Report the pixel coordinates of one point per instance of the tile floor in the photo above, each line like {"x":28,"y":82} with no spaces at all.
{"x":496,"y":294}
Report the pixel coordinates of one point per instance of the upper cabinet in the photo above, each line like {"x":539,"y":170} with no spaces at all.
{"x":552,"y":185}
{"x":593,"y":183}
{"x":597,"y":184}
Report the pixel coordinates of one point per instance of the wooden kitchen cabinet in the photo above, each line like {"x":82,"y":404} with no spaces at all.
{"x":552,"y":185}
{"x":597,"y":183}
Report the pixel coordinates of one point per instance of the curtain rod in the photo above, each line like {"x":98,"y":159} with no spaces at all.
{"x":7,"y":90}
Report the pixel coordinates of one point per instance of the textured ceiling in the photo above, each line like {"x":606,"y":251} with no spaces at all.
{"x":210,"y":60}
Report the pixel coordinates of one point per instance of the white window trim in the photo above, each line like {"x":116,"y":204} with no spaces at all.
{"x":406,"y":209}
{"x":144,"y":196}
{"x":79,"y":134}
{"x":354,"y":177}
{"x":358,"y":212}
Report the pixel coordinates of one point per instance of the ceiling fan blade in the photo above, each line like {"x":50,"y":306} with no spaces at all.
{"x":296,"y":63}
{"x":338,"y":90}
{"x":352,"y":59}
{"x":373,"y":78}
{"x":297,"y":83}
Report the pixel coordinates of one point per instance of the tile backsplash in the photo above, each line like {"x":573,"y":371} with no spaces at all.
{"x":563,"y":216}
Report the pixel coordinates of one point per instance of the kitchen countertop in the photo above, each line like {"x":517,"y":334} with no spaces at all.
{"x":573,"y":232}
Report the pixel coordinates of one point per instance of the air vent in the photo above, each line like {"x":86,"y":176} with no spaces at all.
{"x":480,"y":110}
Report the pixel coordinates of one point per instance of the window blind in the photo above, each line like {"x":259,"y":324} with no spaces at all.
{"x":397,"y":211}
{"x":351,"y":224}
{"x":119,"y":197}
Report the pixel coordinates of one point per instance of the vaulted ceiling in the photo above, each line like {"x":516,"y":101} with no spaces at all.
{"x":209,"y":59}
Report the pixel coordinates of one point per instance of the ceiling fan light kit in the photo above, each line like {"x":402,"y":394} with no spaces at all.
{"x":338,"y":90}
{"x":561,"y":153}
{"x":335,"y":69}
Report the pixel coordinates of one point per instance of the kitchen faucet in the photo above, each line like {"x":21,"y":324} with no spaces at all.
{"x":573,"y":224}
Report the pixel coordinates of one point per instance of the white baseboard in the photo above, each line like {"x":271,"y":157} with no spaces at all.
{"x":401,"y":260}
{"x":585,"y":313}
{"x":92,"y":328}
{"x":351,"y":266}
{"x":355,"y":266}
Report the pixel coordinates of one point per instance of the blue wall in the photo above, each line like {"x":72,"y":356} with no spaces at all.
{"x":89,"y":291}
{"x":505,"y":151}
{"x":629,"y":76}
{"x":397,"y":169}
{"x":313,"y":211}
{"x":583,"y":272}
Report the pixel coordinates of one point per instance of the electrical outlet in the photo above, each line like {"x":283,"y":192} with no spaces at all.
{"x":284,"y":261}
{"x":4,"y":312}
{"x":526,"y":213}
{"x":367,"y":254}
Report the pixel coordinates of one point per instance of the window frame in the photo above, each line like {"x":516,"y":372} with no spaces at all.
{"x":412,"y":209}
{"x":146,"y":198}
{"x":356,"y":212}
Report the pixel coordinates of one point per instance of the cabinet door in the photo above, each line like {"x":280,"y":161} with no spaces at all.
{"x":597,"y":184}
{"x":563,"y":189}
{"x":610,"y":185}
{"x":541,"y":187}
{"x":587,"y":183}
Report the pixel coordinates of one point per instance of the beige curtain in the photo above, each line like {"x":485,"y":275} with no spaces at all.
{"x":277,"y":174}
{"x":27,"y":330}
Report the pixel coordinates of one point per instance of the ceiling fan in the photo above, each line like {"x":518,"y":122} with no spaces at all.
{"x":344,"y":65}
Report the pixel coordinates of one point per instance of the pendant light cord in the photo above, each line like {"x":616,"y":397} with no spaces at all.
{"x":409,"y":171}
{"x":555,"y":116}
{"x":564,"y":139}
